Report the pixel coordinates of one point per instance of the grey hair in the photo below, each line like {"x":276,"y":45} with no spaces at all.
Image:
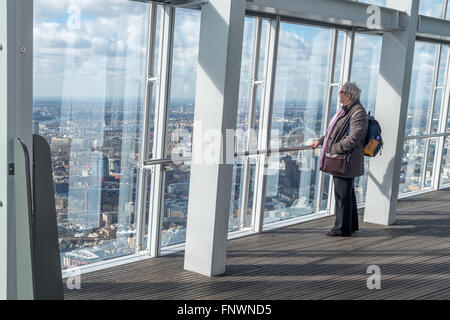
{"x":353,"y":89}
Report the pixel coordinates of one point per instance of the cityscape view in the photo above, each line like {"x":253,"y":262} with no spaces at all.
{"x":89,"y":84}
{"x":95,"y":176}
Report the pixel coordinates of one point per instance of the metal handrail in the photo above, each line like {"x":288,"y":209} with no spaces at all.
{"x":149,"y":163}
{"x":428,"y":136}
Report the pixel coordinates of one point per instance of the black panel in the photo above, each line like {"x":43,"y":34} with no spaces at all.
{"x":48,"y":278}
{"x":13,"y":169}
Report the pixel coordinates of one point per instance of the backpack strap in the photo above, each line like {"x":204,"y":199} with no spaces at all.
{"x":354,"y":114}
{"x":351,"y":118}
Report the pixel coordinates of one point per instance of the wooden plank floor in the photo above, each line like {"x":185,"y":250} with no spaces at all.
{"x":300,"y":262}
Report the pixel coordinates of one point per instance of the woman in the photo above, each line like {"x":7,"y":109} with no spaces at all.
{"x":346,"y":135}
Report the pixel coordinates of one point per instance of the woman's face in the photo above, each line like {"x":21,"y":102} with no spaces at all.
{"x":345,"y":98}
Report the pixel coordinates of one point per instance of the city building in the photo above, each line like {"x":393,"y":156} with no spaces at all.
{"x":100,"y":166}
{"x":60,"y":145}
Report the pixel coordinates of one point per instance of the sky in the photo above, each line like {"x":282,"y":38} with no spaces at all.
{"x":84,"y":48}
{"x":427,"y":7}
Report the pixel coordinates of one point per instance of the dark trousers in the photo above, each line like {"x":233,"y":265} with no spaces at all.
{"x":346,"y":208}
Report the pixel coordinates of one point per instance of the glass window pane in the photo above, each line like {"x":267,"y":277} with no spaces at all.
{"x":334,"y":102}
{"x":152,"y":122}
{"x":326,"y":183}
{"x":251,"y":192}
{"x":377,"y":2}
{"x":157,"y":40}
{"x":89,"y":67}
{"x":338,"y":64}
{"x":183,"y":82}
{"x":176,"y":197}
{"x":445,"y":168}
{"x":421,"y":89}
{"x":155,"y":73}
{"x":180,"y":124}
{"x":448,"y":123}
{"x":366,"y":68}
{"x":430,"y":163}
{"x":242,"y":140}
{"x":365,"y":71}
{"x":432,"y":8}
{"x":437,"y":111}
{"x":237,"y":220}
{"x":147,"y":210}
{"x":236,"y":191}
{"x":412,"y":165}
{"x":262,"y":54}
{"x":325,"y":192}
{"x":301,"y":84}
{"x":246,"y":88}
{"x":261,"y":70}
{"x":442,"y":65}
{"x":361,"y":183}
{"x":291,"y":184}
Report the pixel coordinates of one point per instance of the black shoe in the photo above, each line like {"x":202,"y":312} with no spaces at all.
{"x":334,"y":234}
{"x":346,"y":235}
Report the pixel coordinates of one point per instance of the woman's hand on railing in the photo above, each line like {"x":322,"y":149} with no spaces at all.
{"x":315,"y":144}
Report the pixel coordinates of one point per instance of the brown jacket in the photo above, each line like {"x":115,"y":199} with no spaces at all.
{"x":353,"y":144}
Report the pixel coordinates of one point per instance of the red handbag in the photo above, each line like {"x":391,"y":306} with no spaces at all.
{"x":336,"y":164}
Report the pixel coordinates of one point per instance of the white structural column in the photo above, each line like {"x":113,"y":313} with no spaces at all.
{"x":16,"y":105}
{"x":219,"y":64}
{"x":391,"y":111}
